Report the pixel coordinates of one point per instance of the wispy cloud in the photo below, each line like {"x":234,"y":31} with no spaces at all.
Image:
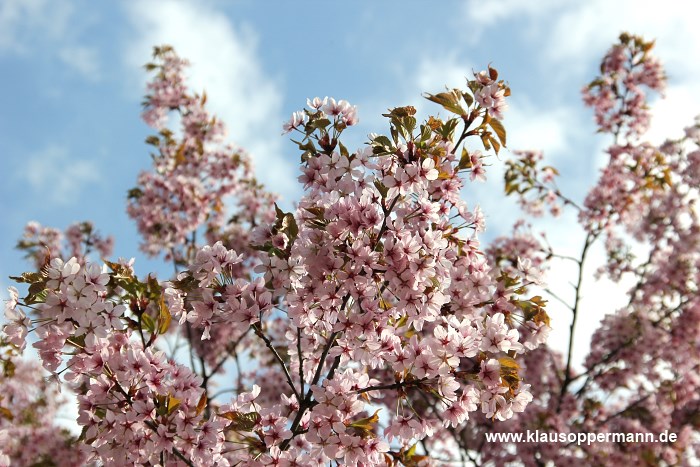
{"x":54,"y":27}
{"x":56,"y":177}
{"x":427,"y":74}
{"x":25,"y":22}
{"x":571,"y":35}
{"x":83,"y":59}
{"x":486,"y":14}
{"x":225,"y":62}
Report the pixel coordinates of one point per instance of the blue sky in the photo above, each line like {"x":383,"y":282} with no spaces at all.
{"x":71,"y":141}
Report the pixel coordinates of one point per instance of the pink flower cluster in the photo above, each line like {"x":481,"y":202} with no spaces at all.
{"x":193,"y":176}
{"x":140,"y":408}
{"x":219,"y":297}
{"x":369,"y":326}
{"x":375,"y":278}
{"x":617,"y":96}
{"x":341,"y":110}
{"x":28,"y":407}
{"x":135,"y":405}
{"x":492,"y":95}
{"x":373,"y":317}
{"x":535,"y":185}
{"x":200,"y":191}
{"x":42,"y":244}
{"x":641,"y":373}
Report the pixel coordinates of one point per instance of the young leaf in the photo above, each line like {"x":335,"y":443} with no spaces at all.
{"x":242,"y":421}
{"x":164,"y":316}
{"x":202,"y":403}
{"x":499,"y":130}
{"x":148,"y":323}
{"x":448,"y":100}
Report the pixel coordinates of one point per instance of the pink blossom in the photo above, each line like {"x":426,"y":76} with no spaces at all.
{"x":492,"y":97}
{"x":297,"y":119}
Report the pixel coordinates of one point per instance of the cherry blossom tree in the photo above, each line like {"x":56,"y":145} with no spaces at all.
{"x":642,"y":372}
{"x":368,"y":326}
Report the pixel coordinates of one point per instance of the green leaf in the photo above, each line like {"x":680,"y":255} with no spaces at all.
{"x":411,"y":451}
{"x":186,"y":284}
{"x":100,"y":412}
{"x":468,"y":98}
{"x":495,"y":144}
{"x":465,"y":161}
{"x":28,"y":278}
{"x":394,"y":135}
{"x":316,"y":211}
{"x":307,"y":146}
{"x":148,"y":323}
{"x":383,"y":141}
{"x":485,"y":141}
{"x":493,"y":74}
{"x":365,"y":427}
{"x":448,"y":128}
{"x":5,"y":413}
{"x":448,"y":100}
{"x":164,"y":316}
{"x":153,"y":288}
{"x":508,"y":365}
{"x":173,"y":404}
{"x":499,"y":130}
{"x":77,"y":341}
{"x":279,"y":213}
{"x":512,"y":188}
{"x":343,"y":150}
{"x":119,"y":270}
{"x":319,"y":124}
{"x":241,"y":420}
{"x":425,"y":133}
{"x":36,"y":293}
{"x":409,"y":123}
{"x":153,"y":140}
{"x":134,"y":193}
{"x":381,"y":188}
{"x":202,"y":403}
{"x":401,"y":112}
{"x":180,"y":155}
{"x":289,"y":225}
{"x":286,"y":223}
{"x":166,"y":404}
{"x":83,"y":435}
{"x":8,"y":368}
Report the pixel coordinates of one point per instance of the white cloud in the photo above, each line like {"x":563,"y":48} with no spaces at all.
{"x":434,"y":74}
{"x":56,"y":177}
{"x":483,"y":14}
{"x":23,"y":22}
{"x":675,"y":112}
{"x":573,"y":34}
{"x":574,"y":31}
{"x":550,"y":129}
{"x":84,"y":60}
{"x":225,"y":64}
{"x":430,"y":74}
{"x":586,"y":29}
{"x":52,"y":27}
{"x":571,"y":37}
